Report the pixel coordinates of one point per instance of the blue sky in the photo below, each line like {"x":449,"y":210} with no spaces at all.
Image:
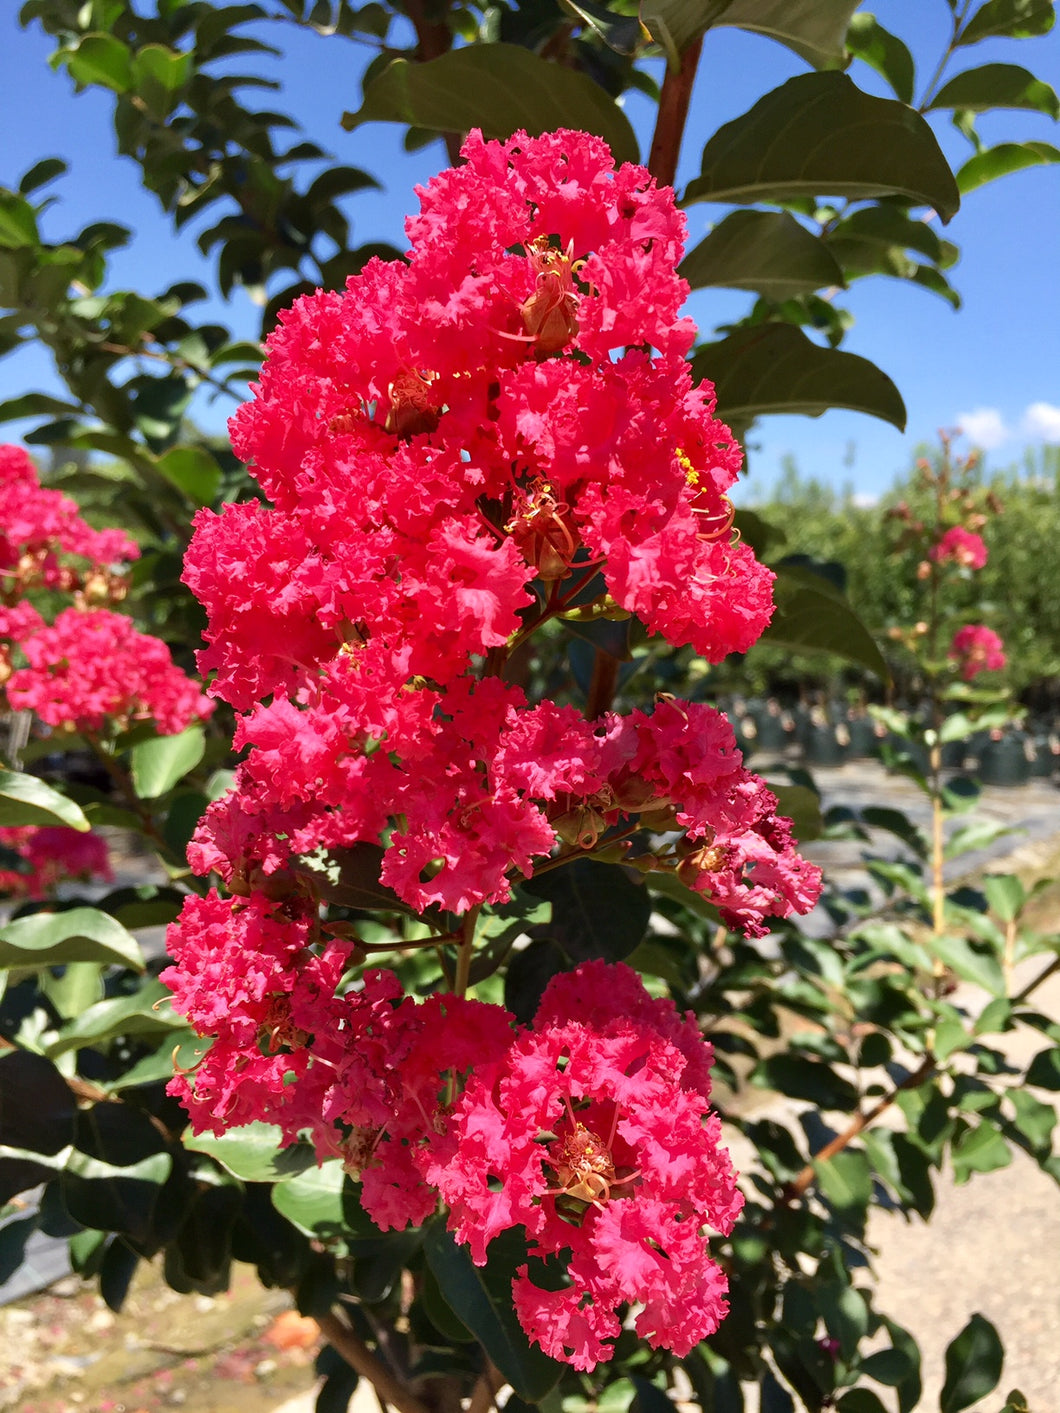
{"x":994,"y":365}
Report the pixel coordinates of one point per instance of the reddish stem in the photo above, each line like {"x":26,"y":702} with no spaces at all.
{"x":674,"y":99}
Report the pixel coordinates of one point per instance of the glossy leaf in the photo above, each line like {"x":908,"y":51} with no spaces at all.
{"x":765,"y":251}
{"x":159,"y":763}
{"x":973,"y":1365}
{"x":499,"y":88}
{"x":997,"y":86}
{"x":481,"y":1296}
{"x":597,"y":910}
{"x":37,"y":1106}
{"x":252,"y":1152}
{"x":41,"y":173}
{"x":819,"y":135}
{"x":144,"y":1012}
{"x":1006,"y":895}
{"x":26,"y":800}
{"x":78,"y":935}
{"x":814,"y":29}
{"x":846,"y":1180}
{"x":1044,"y":1069}
{"x":868,"y":41}
{"x":810,"y":616}
{"x":1002,"y":161}
{"x":980,"y":1150}
{"x":1011,"y":19}
{"x":313,"y":1201}
{"x":769,"y":369}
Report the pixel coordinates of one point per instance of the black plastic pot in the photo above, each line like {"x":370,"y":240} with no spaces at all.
{"x":822,"y":746}
{"x":1003,"y":761}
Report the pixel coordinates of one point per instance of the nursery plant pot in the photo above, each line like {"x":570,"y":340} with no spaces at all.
{"x":1004,"y":761}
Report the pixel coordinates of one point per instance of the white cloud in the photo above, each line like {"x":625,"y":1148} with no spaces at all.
{"x":984,"y":428}
{"x":1041,"y":422}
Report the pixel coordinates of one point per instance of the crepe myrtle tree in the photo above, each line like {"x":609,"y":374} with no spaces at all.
{"x":478,"y":926}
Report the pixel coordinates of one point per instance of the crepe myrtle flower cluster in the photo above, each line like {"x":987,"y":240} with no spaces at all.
{"x":43,"y":856}
{"x":593,"y":1134}
{"x":976,"y":649}
{"x":90,"y":668}
{"x":456,"y":450}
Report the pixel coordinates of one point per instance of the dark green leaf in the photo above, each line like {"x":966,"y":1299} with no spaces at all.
{"x":801,"y":1077}
{"x":37,"y":1108}
{"x":861,"y":1400}
{"x":769,"y":369}
{"x":159,"y":763}
{"x":597,"y":909}
{"x":973,"y":1365}
{"x":814,"y":29}
{"x":79,"y":935}
{"x":803,"y":807}
{"x":1002,"y":160}
{"x":252,"y":1152}
{"x":819,"y":135}
{"x":41,"y":173}
{"x":193,"y":471}
{"x":499,"y":88}
{"x":1011,"y":19}
{"x":144,"y":1012}
{"x":482,"y":1298}
{"x":649,"y":1398}
{"x":13,"y":1238}
{"x":1044,"y":1071}
{"x":868,"y":41}
{"x":116,"y":1272}
{"x":111,"y":1197}
{"x":765,"y":251}
{"x":997,"y":86}
{"x":811,"y":617}
{"x":26,"y":800}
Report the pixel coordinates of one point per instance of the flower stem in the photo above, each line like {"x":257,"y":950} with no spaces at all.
{"x":673,"y":114}
{"x":359,"y":1357}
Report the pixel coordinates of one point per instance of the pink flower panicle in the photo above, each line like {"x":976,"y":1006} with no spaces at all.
{"x":92,"y":667}
{"x":594,"y":1134}
{"x":961,"y":547}
{"x":976,"y":649}
{"x":49,"y":855}
{"x":38,"y":526}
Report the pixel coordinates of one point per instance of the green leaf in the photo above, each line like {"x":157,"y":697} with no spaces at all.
{"x":814,"y":29}
{"x":803,"y":807}
{"x":499,"y":88}
{"x":997,"y":86}
{"x":979,"y":1150}
{"x":158,"y":764}
{"x":79,"y":935}
{"x":861,"y":1400}
{"x":101,"y":59}
{"x":41,"y":173}
{"x":819,"y":135}
{"x":26,"y":800}
{"x":313,"y":1201}
{"x":976,"y":835}
{"x":981,"y":968}
{"x":18,"y":222}
{"x":811,"y":617}
{"x":145,"y":1012}
{"x":1005,"y":893}
{"x":766,"y":369}
{"x":37,"y":1107}
{"x":868,"y":41}
{"x":1010,"y":19}
{"x":802,"y":1077}
{"x":597,"y":909}
{"x":765,"y":251}
{"x":1044,"y":1070}
{"x":481,"y":1296}
{"x":158,"y":75}
{"x":973,"y":1365}
{"x":1002,"y":160}
{"x":192,"y":470}
{"x":846,"y":1180}
{"x":252,"y":1152}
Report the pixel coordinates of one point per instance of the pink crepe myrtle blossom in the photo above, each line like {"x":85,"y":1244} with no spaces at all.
{"x":594,"y":1135}
{"x":49,"y":855}
{"x":92,"y":666}
{"x":976,"y":649}
{"x":961,"y":547}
